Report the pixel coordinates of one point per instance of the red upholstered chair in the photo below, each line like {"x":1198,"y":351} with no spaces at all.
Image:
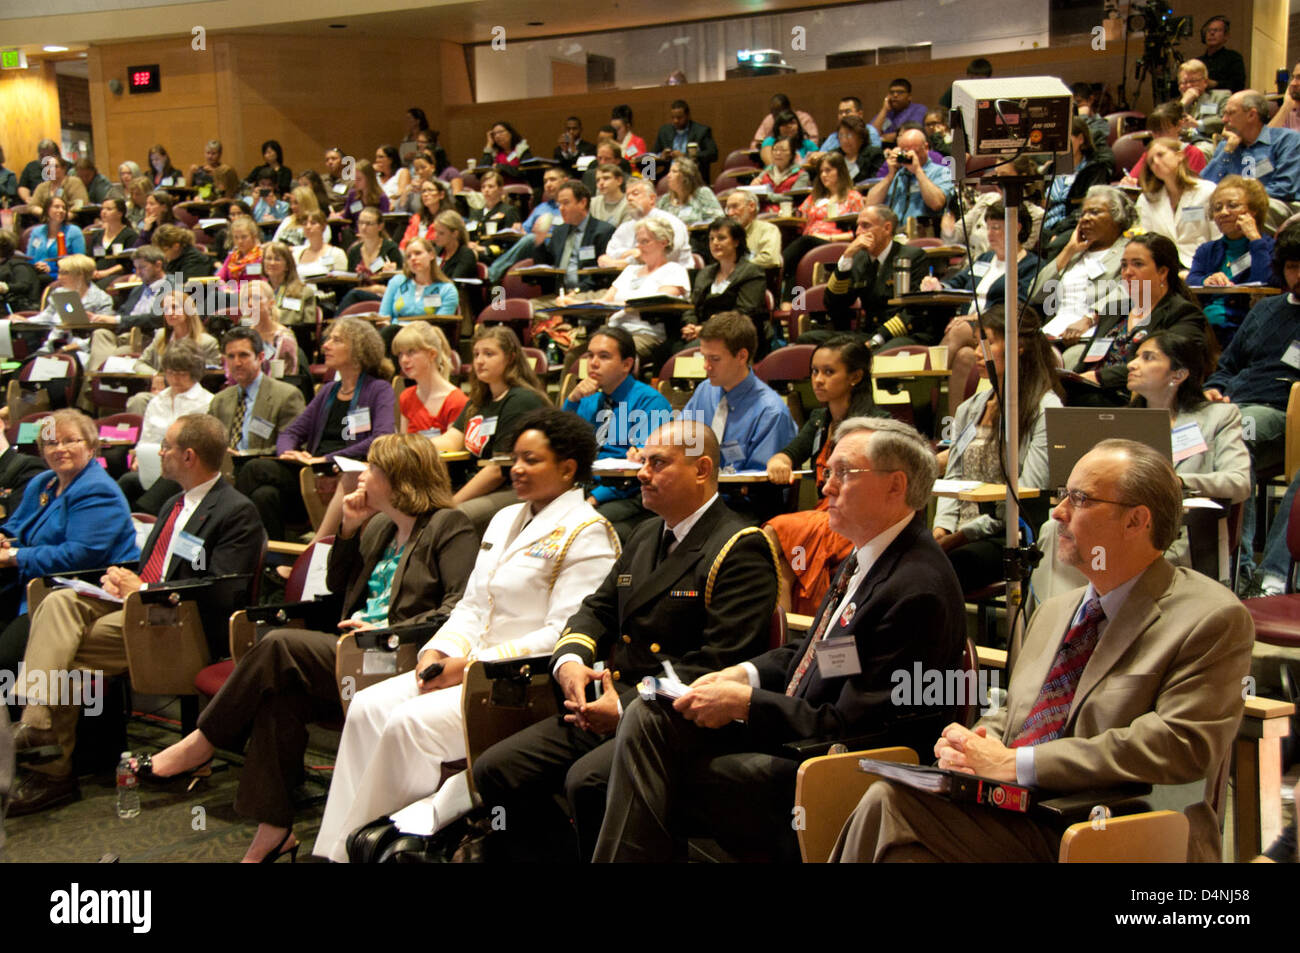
{"x":1277,"y":618}
{"x":740,"y":159}
{"x":827,"y":254}
{"x":359,"y":307}
{"x":1122,"y":123}
{"x":515,"y":286}
{"x":540,"y":365}
{"x":522,"y":196}
{"x":515,"y":313}
{"x":1129,"y":149}
{"x":783,"y":370}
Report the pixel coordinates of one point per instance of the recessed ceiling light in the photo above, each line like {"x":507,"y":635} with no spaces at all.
{"x":55,"y":49}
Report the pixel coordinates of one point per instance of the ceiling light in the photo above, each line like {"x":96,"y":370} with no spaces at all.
{"x":55,"y":49}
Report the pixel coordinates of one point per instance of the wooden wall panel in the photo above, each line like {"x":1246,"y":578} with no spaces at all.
{"x":29,"y":112}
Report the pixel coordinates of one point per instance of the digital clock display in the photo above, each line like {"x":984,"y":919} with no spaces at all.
{"x":143,"y":79}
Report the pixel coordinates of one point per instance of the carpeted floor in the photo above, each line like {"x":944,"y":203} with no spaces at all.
{"x":173,"y":826}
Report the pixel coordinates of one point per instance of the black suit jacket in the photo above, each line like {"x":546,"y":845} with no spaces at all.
{"x":745,"y":293}
{"x":16,"y":471}
{"x":233,"y":542}
{"x":597,"y":234}
{"x":585,"y":148}
{"x":844,"y":289}
{"x":707,"y":606}
{"x":907,"y":611}
{"x":697,"y":133}
{"x":1172,"y":311}
{"x":150,"y":320}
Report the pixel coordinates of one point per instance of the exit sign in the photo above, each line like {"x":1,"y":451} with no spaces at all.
{"x":143,"y":79}
{"x":13,"y":59}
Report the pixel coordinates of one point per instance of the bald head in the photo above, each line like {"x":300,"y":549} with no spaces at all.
{"x":679,"y":473}
{"x":913,"y":140}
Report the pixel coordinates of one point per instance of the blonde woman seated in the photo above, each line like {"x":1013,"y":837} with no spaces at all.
{"x":258,"y":310}
{"x":295,"y":299}
{"x":653,"y":274}
{"x":180,"y":323}
{"x":431,"y":406}
{"x":1174,"y":202}
{"x":1210,"y":455}
{"x":302,"y":202}
{"x":75,"y":274}
{"x":539,"y":560}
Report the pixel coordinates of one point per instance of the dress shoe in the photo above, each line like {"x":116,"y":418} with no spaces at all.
{"x":143,"y":767}
{"x":34,"y":745}
{"x":33,"y":791}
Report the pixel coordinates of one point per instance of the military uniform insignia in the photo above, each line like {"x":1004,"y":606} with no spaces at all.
{"x":549,"y":546}
{"x":684,"y":593}
{"x":625,"y":579}
{"x":849,"y":612}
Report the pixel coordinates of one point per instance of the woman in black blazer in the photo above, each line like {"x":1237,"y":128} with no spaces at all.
{"x":731,"y":282}
{"x":1157,"y":299}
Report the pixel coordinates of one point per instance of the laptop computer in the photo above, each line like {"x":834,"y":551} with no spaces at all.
{"x":1073,"y":431}
{"x":67,"y":305}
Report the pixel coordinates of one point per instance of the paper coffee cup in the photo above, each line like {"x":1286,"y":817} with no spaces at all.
{"x":939,"y":357}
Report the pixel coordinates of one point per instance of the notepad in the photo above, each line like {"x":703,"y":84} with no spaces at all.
{"x":119,"y":432}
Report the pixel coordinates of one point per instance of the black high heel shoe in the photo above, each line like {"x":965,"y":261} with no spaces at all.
{"x":144,"y":772}
{"x":279,"y":850}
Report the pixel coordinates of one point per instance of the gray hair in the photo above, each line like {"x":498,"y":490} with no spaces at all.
{"x":886,"y":214}
{"x":661,"y":230}
{"x":1121,"y":209}
{"x":1149,"y":480}
{"x":131,"y":166}
{"x":1252,"y":99}
{"x":749,"y":198}
{"x":894,"y":445}
{"x":640,"y":184}
{"x":214,"y":144}
{"x":1193,"y":67}
{"x":184,"y":356}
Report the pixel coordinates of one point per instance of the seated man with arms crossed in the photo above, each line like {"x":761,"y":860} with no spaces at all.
{"x":704,"y":764}
{"x":1136,"y":678}
{"x":695,"y":590}
{"x":211,"y":529}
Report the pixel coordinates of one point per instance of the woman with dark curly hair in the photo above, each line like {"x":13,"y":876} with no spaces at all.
{"x":505,"y":148}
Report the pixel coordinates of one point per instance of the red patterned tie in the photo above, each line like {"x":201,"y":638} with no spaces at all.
{"x":836,"y":597}
{"x":153,"y":569}
{"x":1048,"y":715}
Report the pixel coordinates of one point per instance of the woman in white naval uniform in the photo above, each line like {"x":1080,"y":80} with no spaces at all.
{"x":538,"y":561}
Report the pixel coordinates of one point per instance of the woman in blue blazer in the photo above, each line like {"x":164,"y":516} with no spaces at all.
{"x":1244,"y":255}
{"x":54,"y":238}
{"x":72,"y":517}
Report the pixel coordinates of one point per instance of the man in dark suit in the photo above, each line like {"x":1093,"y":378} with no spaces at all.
{"x":579,"y":241}
{"x":572,"y":146}
{"x":693,"y":591}
{"x":16,"y":470}
{"x":255,"y":408}
{"x":210,"y":530}
{"x":710,"y":762}
{"x":143,"y":306}
{"x":679,"y":134}
{"x":867,"y":280}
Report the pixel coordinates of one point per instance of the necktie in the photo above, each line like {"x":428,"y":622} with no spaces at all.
{"x":665,"y":541}
{"x":819,"y":631}
{"x":1047,"y":717}
{"x":719,"y":425}
{"x":153,"y":569}
{"x":237,"y":425}
{"x":569,"y":259}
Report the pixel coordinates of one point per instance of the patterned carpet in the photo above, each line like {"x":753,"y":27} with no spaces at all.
{"x":173,"y":826}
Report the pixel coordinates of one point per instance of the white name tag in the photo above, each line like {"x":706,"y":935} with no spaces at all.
{"x":255,"y":268}
{"x":356,"y":206}
{"x":1093,"y":268}
{"x":117,"y":248}
{"x":488,"y":427}
{"x":586,"y":252}
{"x":1262,"y":168}
{"x":1194,"y":213}
{"x":471,"y":226}
{"x":1098,"y":349}
{"x":1240,"y":265}
{"x":291,"y":304}
{"x":979,"y":269}
{"x":340,"y":188}
{"x":189,"y":548}
{"x":1292,"y":356}
{"x":838,"y":657}
{"x":432,"y":301}
{"x":490,"y":228}
{"x":1209,"y":109}
{"x":99,"y":250}
{"x":1187,"y":441}
{"x":357,"y":422}
{"x":260,"y":427}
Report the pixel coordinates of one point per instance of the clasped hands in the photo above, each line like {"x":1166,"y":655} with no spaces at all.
{"x":713,"y":700}
{"x":120,"y":582}
{"x":973,"y":752}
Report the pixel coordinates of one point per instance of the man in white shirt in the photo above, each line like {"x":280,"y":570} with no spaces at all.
{"x":621,"y":250}
{"x":209,"y":529}
{"x":609,"y":204}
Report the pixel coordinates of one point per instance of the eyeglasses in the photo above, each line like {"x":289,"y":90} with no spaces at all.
{"x":67,"y":444}
{"x":841,"y":474}
{"x":1079,"y":499}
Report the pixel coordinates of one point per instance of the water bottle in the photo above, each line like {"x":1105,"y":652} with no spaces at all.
{"x":128,"y":790}
{"x":902,"y":275}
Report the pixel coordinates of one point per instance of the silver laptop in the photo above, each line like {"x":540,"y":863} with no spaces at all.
{"x":1073,"y":431}
{"x":67,"y":305}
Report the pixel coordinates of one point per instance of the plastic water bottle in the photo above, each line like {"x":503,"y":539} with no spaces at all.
{"x":128,"y":790}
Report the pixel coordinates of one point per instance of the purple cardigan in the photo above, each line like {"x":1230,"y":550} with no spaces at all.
{"x":304,"y":433}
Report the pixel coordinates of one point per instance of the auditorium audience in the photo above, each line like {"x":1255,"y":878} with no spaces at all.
{"x":1242,"y":254}
{"x":1203,"y":104}
{"x":860,"y":158}
{"x":365,"y":193}
{"x":245,"y":260}
{"x":789,"y":128}
{"x":433,"y":200}
{"x":1288,"y":111}
{"x":629,"y":142}
{"x":622,"y":247}
{"x":254,"y":409}
{"x":295,"y":302}
{"x":372,"y":256}
{"x":19,"y":284}
{"x":177,"y":246}
{"x":420,"y":290}
{"x":74,"y":274}
{"x":1080,"y":282}
{"x":113,"y":237}
{"x":1063,"y":202}
{"x":770,"y":127}
{"x":302,"y":202}
{"x":390,"y":173}
{"x":497,"y":214}
{"x":688,"y":197}
{"x":608,"y":203}
{"x":452,"y":245}
{"x":1270,"y":155}
{"x":317,"y":256}
{"x":914,"y":186}
{"x":1226,"y":67}
{"x":33,"y":172}
{"x":162,"y":172}
{"x":336,"y":183}
{"x":181,"y":322}
{"x":273,"y":162}
{"x":867,"y":281}
{"x":257,"y":305}
{"x":157,"y":213}
{"x":832,"y":196}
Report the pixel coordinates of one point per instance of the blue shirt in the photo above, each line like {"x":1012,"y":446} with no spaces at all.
{"x":250,"y":399}
{"x":623,"y":419}
{"x":758,"y":423}
{"x":833,"y":140}
{"x":904,"y":195}
{"x":544,"y":207}
{"x":277,"y":209}
{"x":1250,"y":369}
{"x":1273,"y":159}
{"x":404,"y":298}
{"x":41,"y":247}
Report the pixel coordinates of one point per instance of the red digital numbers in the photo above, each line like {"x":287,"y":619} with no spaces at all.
{"x":140,"y":79}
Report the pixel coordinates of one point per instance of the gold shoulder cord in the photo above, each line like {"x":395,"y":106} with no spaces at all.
{"x":559,"y":558}
{"x":722,"y":554}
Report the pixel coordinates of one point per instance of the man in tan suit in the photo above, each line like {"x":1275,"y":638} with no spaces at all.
{"x":273,"y":404}
{"x":1146,"y":670}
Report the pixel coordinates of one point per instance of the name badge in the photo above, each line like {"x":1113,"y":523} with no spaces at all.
{"x":340,"y":188}
{"x":625,"y":580}
{"x":117,"y":248}
{"x":247,"y":322}
{"x":471,"y":226}
{"x":1209,"y":109}
{"x":377,"y":265}
{"x":1187,"y":441}
{"x":1098,"y":349}
{"x":490,"y":227}
{"x":168,"y":181}
{"x":1292,"y":356}
{"x":432,"y":301}
{"x":99,"y":250}
{"x":1262,"y":168}
{"x":291,"y":304}
{"x":189,"y":548}
{"x":1093,"y":268}
{"x":732,"y":452}
{"x":979,"y":269}
{"x":357,"y":422}
{"x":253,"y":268}
{"x":477,"y":433}
{"x":260,"y":427}
{"x":356,"y":206}
{"x":838,"y":657}
{"x":586,"y":253}
{"x":916,"y":188}
{"x":431,"y":432}
{"x":1239,"y":265}
{"x":963,"y":441}
{"x":1194,"y":213}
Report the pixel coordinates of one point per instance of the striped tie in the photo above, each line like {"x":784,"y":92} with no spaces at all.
{"x":836,"y":597}
{"x":1049,"y":713}
{"x":237,"y":426}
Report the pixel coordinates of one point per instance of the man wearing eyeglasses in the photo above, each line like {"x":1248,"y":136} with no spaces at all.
{"x":1136,"y":678}
{"x":712,"y":762}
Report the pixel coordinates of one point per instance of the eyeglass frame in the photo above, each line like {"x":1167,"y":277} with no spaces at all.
{"x":1080,"y":500}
